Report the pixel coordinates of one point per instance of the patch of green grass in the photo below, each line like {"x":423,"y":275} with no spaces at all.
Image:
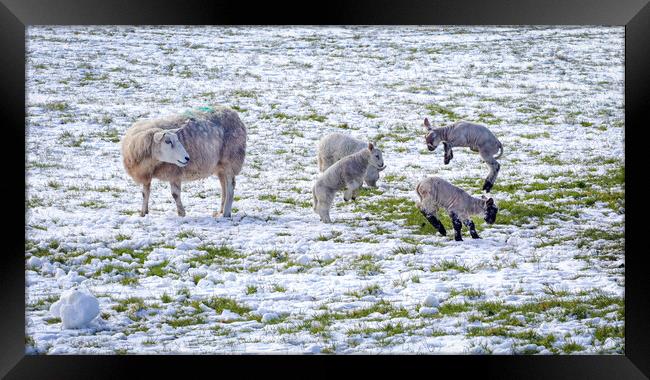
{"x":57,"y":106}
{"x":165,"y":298}
{"x":468,"y":293}
{"x":51,"y":321}
{"x":219,"y":304}
{"x":535,"y":135}
{"x":158,"y":270}
{"x":445,"y":265}
{"x":373,"y":289}
{"x":244,"y":93}
{"x":603,"y":332}
{"x":92,"y":204}
{"x":571,"y":346}
{"x":251,"y":289}
{"x":214,"y":254}
{"x":406,"y":250}
{"x":435,"y":109}
{"x":279,"y":288}
{"x":366,"y":266}
{"x":122,"y":237}
{"x":369,"y":115}
{"x":184,"y":322}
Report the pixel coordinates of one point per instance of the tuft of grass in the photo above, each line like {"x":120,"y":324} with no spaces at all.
{"x":445,"y":265}
{"x":158,"y":270}
{"x":219,"y":304}
{"x":251,"y":289}
{"x":214,"y":254}
{"x":57,"y":106}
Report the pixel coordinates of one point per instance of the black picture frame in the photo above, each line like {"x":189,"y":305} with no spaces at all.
{"x":15,"y":15}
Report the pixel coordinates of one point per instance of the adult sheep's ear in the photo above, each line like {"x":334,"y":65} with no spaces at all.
{"x":489,"y":202}
{"x":370,"y":146}
{"x":158,"y":137}
{"x":427,"y":125}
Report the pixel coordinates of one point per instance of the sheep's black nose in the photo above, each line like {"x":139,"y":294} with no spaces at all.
{"x":187,"y":158}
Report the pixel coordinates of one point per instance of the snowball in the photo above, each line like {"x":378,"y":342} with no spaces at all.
{"x":304,"y":260}
{"x":228,"y":315}
{"x":428,"y":310}
{"x":75,"y":308}
{"x":34,"y":262}
{"x":267,"y":317}
{"x":204,"y":283}
{"x":431,"y":301}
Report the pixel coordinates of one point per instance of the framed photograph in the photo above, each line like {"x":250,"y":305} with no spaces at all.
{"x":435,"y":183}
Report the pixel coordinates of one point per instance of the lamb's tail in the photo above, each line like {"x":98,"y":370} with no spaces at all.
{"x":501,"y":150}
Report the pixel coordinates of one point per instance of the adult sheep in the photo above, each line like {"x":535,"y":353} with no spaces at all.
{"x":335,"y":146}
{"x":186,"y":147}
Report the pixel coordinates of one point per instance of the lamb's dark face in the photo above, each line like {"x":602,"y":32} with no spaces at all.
{"x":490,"y":211}
{"x":433,"y":140}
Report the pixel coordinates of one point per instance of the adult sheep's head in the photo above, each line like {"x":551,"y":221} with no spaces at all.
{"x":376,"y":158}
{"x":432,"y":138}
{"x":490,"y":210}
{"x":168,"y":148}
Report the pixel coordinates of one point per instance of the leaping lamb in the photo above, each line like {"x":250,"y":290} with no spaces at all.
{"x":475,"y":136}
{"x":435,"y":192}
{"x":348,"y":174}
{"x":186,"y":147}
{"x":335,"y":146}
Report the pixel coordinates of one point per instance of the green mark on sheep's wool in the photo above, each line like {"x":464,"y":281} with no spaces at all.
{"x":201,"y":109}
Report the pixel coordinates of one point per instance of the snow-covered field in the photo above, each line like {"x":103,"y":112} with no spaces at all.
{"x":548,"y":277}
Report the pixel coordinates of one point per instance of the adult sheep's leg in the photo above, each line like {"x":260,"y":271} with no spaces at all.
{"x":472,"y":229}
{"x":176,"y":194}
{"x":230,"y":194}
{"x":449,"y":154}
{"x":146,"y":190}
{"x":432,"y":218}
{"x":224,"y":191}
{"x":457,"y":226}
{"x":494,"y":171}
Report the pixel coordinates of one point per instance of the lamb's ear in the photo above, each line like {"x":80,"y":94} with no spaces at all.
{"x":370,"y":147}
{"x":489,"y":202}
{"x":427,"y":125}
{"x":158,"y":136}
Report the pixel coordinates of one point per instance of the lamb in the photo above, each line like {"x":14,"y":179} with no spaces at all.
{"x":335,"y":146}
{"x":186,"y":147}
{"x":347,"y":173}
{"x":435,"y":192}
{"x":477,"y":137}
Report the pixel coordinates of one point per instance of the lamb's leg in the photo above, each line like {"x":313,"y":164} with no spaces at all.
{"x":494,"y":171}
{"x":449,"y":154}
{"x":324,"y":200}
{"x":457,"y":226}
{"x":351,"y":190}
{"x":431,"y":217}
{"x":472,"y":229}
{"x":176,"y":194}
{"x":230,"y":194}
{"x":146,"y":190}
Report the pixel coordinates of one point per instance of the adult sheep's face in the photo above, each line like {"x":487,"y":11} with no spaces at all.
{"x":376,"y":158}
{"x":168,"y":148}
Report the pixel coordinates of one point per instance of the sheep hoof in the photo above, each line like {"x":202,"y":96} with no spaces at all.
{"x":443,"y":232}
{"x":143,"y":213}
{"x":181,"y":213}
{"x":458,"y":238}
{"x":475,"y":236}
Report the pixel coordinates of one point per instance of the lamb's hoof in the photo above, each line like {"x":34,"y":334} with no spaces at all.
{"x":475,"y":237}
{"x":346,"y":199}
{"x":143,"y":213}
{"x":354,"y":198}
{"x":487,"y":186}
{"x":181,"y":213}
{"x":443,"y":232}
{"x":458,"y":238}
{"x":447,"y":161}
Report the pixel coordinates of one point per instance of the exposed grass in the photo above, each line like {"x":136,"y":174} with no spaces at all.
{"x":214,"y":255}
